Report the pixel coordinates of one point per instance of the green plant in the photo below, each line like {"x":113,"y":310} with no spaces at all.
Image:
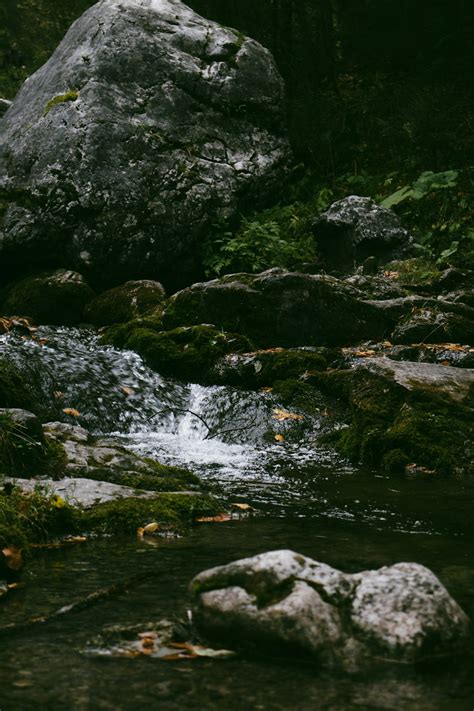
{"x":17,"y":449}
{"x":60,"y":99}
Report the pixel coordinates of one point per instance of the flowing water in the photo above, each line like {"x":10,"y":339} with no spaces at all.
{"x":309,"y":499}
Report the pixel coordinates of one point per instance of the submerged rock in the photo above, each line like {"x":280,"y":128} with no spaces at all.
{"x":355,"y":228}
{"x":146,"y":125}
{"x":282,"y":601}
{"x":58,"y":298}
{"x":279,"y":308}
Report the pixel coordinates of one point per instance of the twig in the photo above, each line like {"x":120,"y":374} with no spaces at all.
{"x":84,"y":603}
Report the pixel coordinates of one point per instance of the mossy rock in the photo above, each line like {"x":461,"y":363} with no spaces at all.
{"x":410,"y":413}
{"x":126,"y":515}
{"x":126,"y":302}
{"x":263,"y":368}
{"x":427,"y":325}
{"x":57,"y":298}
{"x":187,"y":353}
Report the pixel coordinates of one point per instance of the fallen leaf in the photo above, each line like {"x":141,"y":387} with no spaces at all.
{"x":392,"y":275}
{"x":58,"y":394}
{"x":279,"y":438}
{"x":445,"y":362}
{"x":364,"y":354}
{"x":220,"y":518}
{"x":71,"y":411}
{"x":151,"y":527}
{"x":128,"y":391}
{"x":13,"y":557}
{"x":266,"y":390}
{"x":243,"y":507}
{"x":279,"y":414}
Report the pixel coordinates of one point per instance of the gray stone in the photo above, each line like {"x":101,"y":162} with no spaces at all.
{"x":428,"y":325}
{"x":280,"y":600}
{"x":81,"y":492}
{"x":87,"y":455}
{"x":355,"y":228}
{"x":146,"y":125}
{"x":27,"y":423}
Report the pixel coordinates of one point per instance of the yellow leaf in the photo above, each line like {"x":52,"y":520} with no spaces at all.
{"x":279,"y":414}
{"x":128,"y":391}
{"x":57,"y":502}
{"x":279,"y":438}
{"x":266,"y":390}
{"x":220,"y":518}
{"x":151,"y":527}
{"x":71,"y":411}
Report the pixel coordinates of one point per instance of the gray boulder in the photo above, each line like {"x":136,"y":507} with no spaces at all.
{"x":355,"y":228}
{"x":146,"y":125}
{"x":281,"y":600}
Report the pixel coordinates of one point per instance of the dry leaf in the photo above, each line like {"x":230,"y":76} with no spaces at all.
{"x":279,"y":438}
{"x":266,"y":390}
{"x":151,"y":527}
{"x":392,"y":275}
{"x":279,"y":414}
{"x":13,"y":556}
{"x":71,"y":411}
{"x":220,"y":518}
{"x":58,"y":394}
{"x":128,"y":391}
{"x":243,"y":507}
{"x":364,"y":354}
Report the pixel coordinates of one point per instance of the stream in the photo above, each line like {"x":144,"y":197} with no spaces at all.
{"x":308,"y":498}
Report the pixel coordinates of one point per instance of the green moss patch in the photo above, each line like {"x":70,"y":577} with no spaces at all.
{"x":126,"y":515}
{"x":187,"y":353}
{"x":61,"y":99}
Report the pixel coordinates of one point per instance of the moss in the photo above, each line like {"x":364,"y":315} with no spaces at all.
{"x":132,"y":300}
{"x":14,"y":391}
{"x":35,"y":517}
{"x":164,"y":478}
{"x":126,"y":515}
{"x":418,"y":271}
{"x":187,"y":353}
{"x":392,"y":427}
{"x":61,"y":99}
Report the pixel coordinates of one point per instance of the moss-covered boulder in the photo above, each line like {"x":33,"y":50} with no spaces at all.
{"x":428,"y":325}
{"x":126,"y":302}
{"x":264,"y":367}
{"x":416,"y":415}
{"x":187,"y":353}
{"x":279,"y":308}
{"x":57,"y":298}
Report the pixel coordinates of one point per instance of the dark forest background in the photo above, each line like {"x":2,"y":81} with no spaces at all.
{"x":369,"y":82}
{"x":380,"y":102}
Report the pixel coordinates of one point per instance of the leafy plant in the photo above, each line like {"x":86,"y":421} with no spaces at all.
{"x":17,"y":449}
{"x":425,"y":184}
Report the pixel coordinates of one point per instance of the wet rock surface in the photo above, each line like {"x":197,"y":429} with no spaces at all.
{"x":188,"y":113}
{"x":281,"y":600}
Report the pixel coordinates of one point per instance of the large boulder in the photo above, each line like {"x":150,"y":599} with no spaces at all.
{"x":281,"y":600}
{"x":356,"y":228}
{"x":58,"y":298}
{"x":409,"y":416}
{"x":279,"y":308}
{"x":126,"y":302}
{"x":146,"y":125}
